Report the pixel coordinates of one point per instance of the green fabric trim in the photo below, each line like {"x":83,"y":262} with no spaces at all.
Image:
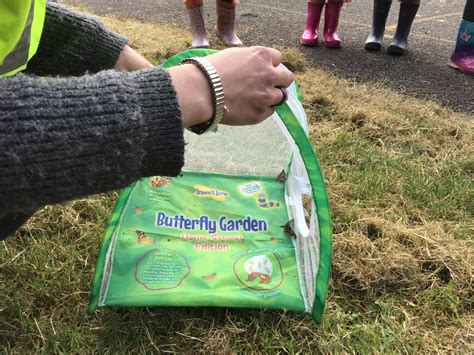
{"x":317,"y":184}
{"x":322,"y":206}
{"x":256,"y":177}
{"x":298,"y":92}
{"x":178,"y":58}
{"x":109,"y":232}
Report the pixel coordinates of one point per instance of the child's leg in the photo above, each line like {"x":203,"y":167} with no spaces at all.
{"x":193,"y":3}
{"x":331,"y":21}
{"x":408,"y":10}
{"x":197,"y":23}
{"x":225,"y":29}
{"x":380,"y":14}
{"x":310,"y":34}
{"x":463,"y":55}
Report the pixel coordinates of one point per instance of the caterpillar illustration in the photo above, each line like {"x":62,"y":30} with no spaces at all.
{"x":264,"y":279}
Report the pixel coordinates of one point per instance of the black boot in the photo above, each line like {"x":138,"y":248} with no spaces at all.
{"x":381,"y":10}
{"x":405,"y":19}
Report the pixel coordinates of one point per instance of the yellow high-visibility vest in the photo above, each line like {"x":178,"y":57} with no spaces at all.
{"x":21,"y":25}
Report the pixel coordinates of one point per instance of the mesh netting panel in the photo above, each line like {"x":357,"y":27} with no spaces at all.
{"x":249,"y":150}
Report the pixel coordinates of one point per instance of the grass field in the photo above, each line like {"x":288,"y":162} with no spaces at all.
{"x":399,"y":173}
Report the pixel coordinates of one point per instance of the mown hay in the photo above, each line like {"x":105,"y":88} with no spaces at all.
{"x":378,"y":256}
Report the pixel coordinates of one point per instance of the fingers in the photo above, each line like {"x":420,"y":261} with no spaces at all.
{"x":279,"y":97}
{"x":266,"y":53}
{"x":276,"y":55}
{"x":284,"y":77}
{"x":281,"y":77}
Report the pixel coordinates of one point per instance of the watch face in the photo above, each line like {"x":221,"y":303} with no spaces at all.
{"x":202,"y":127}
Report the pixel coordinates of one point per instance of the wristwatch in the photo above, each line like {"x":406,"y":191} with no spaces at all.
{"x":218,"y":107}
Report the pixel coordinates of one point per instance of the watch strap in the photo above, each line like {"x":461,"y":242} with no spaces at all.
{"x":217,"y":91}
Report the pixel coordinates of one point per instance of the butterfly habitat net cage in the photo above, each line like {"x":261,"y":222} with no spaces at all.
{"x":246,"y":224}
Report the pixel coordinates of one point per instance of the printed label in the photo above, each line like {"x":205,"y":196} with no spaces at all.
{"x":208,"y":192}
{"x":204,"y":223}
{"x":161,"y":269}
{"x":176,"y":249}
{"x":250,"y":188}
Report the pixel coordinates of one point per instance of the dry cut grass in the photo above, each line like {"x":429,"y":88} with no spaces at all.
{"x":399,"y":173}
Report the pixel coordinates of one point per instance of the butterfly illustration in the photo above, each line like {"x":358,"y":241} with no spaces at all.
{"x":138,"y":210}
{"x":281,"y":178}
{"x":465,"y":36}
{"x":158,"y":181}
{"x":209,"y":277}
{"x":288,"y":229}
{"x":144,"y":239}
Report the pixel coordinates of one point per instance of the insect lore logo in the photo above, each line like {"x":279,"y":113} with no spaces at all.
{"x":208,"y":192}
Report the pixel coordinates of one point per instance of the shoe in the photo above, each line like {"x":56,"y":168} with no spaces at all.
{"x":198,"y":28}
{"x":225,"y":28}
{"x":380,"y":14}
{"x":331,"y":21}
{"x":463,"y":55}
{"x":310,"y":35}
{"x":407,"y":14}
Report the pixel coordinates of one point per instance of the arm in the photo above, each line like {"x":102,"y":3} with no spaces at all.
{"x":73,"y":44}
{"x":66,"y":138}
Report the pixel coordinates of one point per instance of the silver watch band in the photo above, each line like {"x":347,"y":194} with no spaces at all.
{"x":216,"y":88}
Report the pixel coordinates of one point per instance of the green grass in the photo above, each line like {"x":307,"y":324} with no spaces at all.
{"x":379,"y":179}
{"x":399,"y":173}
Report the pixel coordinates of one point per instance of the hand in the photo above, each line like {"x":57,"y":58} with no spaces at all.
{"x":250,"y":78}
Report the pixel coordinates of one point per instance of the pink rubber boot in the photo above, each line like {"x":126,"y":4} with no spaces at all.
{"x":310,"y":34}
{"x":198,"y":28}
{"x":225,"y":28}
{"x":331,"y":21}
{"x":463,"y":55}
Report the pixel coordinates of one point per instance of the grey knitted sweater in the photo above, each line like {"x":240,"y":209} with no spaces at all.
{"x":79,"y":134}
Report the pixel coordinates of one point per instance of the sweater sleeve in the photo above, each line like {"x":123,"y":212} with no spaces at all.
{"x":72,"y":44}
{"x":65,"y":138}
